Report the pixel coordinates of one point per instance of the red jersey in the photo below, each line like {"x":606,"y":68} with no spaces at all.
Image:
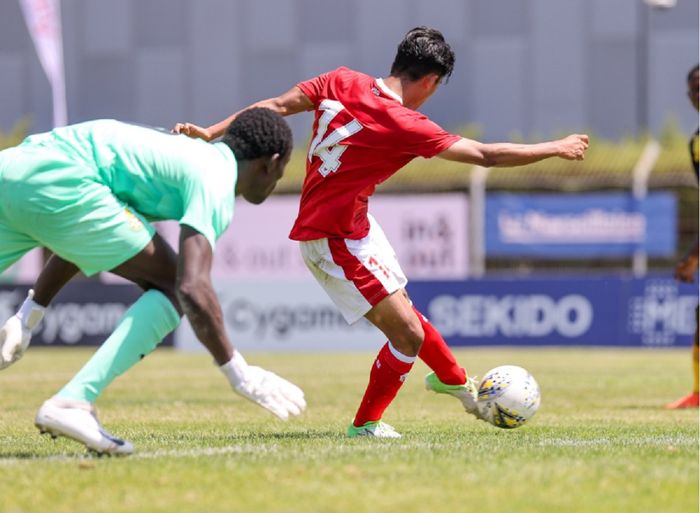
{"x":362,"y":134}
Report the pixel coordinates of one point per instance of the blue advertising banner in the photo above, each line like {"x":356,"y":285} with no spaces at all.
{"x":580,"y":225}
{"x":84,"y":313}
{"x":574,"y":310}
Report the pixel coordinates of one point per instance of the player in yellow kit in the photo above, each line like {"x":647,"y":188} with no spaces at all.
{"x":688,"y":266}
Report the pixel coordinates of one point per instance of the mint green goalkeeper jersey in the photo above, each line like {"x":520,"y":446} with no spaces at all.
{"x":160,"y":175}
{"x":87,"y":191}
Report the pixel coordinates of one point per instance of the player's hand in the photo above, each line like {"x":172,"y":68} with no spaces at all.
{"x":264,"y":388}
{"x":573,"y":147}
{"x":14,"y":341}
{"x":272,"y":392}
{"x":191,"y":130}
{"x":686,"y":268}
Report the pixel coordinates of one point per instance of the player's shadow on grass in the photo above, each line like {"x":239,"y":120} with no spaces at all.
{"x":640,"y":407}
{"x":7,"y":457}
{"x":295,"y":435}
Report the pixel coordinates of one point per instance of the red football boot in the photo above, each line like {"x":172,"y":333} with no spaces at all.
{"x":689,"y":401}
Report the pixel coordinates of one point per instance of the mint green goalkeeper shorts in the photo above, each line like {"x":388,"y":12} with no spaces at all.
{"x":50,"y":200}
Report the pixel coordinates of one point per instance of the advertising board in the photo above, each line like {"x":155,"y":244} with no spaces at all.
{"x":611,"y":310}
{"x":580,"y":225}
{"x":283,"y":316}
{"x":428,"y":233}
{"x":84,"y":313}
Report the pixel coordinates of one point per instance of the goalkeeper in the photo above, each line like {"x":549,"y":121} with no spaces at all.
{"x":87,"y":192}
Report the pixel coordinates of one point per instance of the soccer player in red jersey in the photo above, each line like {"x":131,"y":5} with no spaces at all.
{"x":366,"y":129}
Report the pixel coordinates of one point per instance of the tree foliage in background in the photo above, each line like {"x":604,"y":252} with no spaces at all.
{"x":16,"y":134}
{"x":608,"y":164}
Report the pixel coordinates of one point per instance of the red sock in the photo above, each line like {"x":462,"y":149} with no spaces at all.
{"x":387,"y":375}
{"x":435,"y":353}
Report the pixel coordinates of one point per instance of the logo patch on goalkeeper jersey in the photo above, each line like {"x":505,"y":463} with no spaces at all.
{"x":134,"y":222}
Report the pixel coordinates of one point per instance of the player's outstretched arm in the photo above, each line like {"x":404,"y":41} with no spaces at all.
{"x":469,"y":151}
{"x":199,"y":302}
{"x":291,"y":102}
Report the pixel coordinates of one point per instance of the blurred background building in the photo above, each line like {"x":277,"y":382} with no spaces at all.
{"x":530,"y":67}
{"x":554,"y":253}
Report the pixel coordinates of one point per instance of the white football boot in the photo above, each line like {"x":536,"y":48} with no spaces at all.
{"x":78,"y":420}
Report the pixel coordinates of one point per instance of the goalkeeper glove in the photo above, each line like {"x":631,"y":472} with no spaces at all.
{"x":264,"y":388}
{"x":17,"y":331}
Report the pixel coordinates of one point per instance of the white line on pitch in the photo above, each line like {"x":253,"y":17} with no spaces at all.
{"x":393,"y":445}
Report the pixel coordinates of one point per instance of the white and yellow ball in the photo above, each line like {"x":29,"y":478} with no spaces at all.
{"x":508,"y":396}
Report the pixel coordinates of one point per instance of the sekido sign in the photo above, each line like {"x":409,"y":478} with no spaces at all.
{"x":511,"y":315}
{"x":614,"y":310}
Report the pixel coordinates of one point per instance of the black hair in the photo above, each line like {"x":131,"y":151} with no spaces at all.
{"x":423,"y":51}
{"x":258,"y":132}
{"x":692,"y":72}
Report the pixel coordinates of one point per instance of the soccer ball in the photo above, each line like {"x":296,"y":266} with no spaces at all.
{"x":508,"y":396}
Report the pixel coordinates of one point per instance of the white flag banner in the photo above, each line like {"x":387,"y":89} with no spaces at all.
{"x":43,"y":19}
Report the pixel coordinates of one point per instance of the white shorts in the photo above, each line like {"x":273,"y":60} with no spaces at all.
{"x":356,"y":274}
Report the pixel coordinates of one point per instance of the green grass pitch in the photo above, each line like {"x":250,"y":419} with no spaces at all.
{"x":601,"y":441}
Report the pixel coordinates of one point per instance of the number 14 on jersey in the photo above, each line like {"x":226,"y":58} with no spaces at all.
{"x":326,"y":147}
